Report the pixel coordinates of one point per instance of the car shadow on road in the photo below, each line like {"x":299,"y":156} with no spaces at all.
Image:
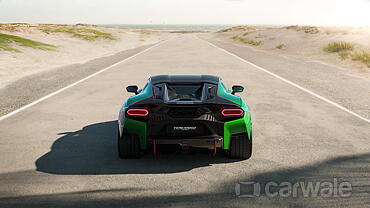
{"x":352,"y":168}
{"x":93,"y":150}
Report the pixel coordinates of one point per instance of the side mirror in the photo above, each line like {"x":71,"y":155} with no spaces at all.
{"x":132,"y":88}
{"x":237,"y":88}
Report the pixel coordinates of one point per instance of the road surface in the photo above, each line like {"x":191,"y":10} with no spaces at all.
{"x":61,"y":152}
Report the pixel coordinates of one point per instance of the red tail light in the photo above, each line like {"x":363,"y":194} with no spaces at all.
{"x":138,"y":111}
{"x":232,"y":111}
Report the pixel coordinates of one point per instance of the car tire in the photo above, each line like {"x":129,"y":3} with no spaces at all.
{"x":128,"y":146}
{"x":240,"y":146}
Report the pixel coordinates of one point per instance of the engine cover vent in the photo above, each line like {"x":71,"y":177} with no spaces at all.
{"x":184,"y":113}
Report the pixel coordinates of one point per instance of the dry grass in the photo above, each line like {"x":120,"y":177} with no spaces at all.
{"x":225,"y":30}
{"x":82,"y":33}
{"x":335,"y":47}
{"x":362,"y":56}
{"x":344,"y":54}
{"x":280,"y":46}
{"x":248,"y":41}
{"x":260,"y":36}
{"x":14,"y":27}
{"x":306,"y":29}
{"x":239,"y":27}
{"x":189,"y":31}
{"x":143,"y":32}
{"x":344,"y":51}
{"x":6,"y":42}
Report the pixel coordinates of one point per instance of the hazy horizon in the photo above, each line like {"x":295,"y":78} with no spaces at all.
{"x":189,"y":12}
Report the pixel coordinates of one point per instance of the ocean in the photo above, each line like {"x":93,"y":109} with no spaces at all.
{"x":168,"y":27}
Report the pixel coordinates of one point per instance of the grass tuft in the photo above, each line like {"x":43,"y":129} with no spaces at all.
{"x":260,"y":36}
{"x":344,"y":54}
{"x":344,"y":51}
{"x":225,"y":30}
{"x":239,"y":27}
{"x":82,"y":33}
{"x":306,"y":29}
{"x":281,"y":46}
{"x":248,"y":41}
{"x":335,"y":47}
{"x":6,"y":42}
{"x":189,"y":31}
{"x":362,"y":56}
{"x":143,"y":32}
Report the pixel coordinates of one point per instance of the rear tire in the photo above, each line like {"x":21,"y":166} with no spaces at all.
{"x":128,"y":146}
{"x":240,"y":146}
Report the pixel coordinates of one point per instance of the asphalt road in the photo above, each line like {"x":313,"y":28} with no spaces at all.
{"x":29,"y":88}
{"x":61,"y":152}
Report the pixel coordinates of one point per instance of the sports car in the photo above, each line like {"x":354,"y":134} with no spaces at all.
{"x":185,"y":111}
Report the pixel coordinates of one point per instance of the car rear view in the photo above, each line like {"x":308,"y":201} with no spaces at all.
{"x":190,"y":111}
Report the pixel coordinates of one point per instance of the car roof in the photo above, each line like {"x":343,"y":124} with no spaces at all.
{"x":184,"y":79}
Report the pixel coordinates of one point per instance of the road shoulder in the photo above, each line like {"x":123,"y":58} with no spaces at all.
{"x":30,"y":88}
{"x":339,"y":86}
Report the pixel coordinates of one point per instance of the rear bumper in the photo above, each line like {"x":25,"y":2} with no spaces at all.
{"x":204,"y":134}
{"x":191,"y":141}
{"x":185,"y":129}
{"x":220,"y":132}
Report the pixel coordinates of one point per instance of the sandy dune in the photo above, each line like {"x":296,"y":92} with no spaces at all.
{"x":70,"y":50}
{"x":305,"y":42}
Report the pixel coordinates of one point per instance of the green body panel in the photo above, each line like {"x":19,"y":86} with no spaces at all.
{"x":235,"y":126}
{"x":136,"y":127}
{"x":146,"y":92}
{"x":225,"y":93}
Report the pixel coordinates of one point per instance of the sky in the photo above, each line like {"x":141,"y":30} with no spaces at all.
{"x":267,"y":12}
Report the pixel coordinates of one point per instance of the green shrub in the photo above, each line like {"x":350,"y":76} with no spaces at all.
{"x":6,"y":42}
{"x":281,"y":46}
{"x":362,"y":56}
{"x":247,"y":41}
{"x":338,"y":46}
{"x":344,"y":54}
{"x":82,"y":33}
{"x":260,"y":36}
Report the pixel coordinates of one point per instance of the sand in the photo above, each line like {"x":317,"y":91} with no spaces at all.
{"x":71,"y":50}
{"x":305,"y":43}
{"x":301,"y":42}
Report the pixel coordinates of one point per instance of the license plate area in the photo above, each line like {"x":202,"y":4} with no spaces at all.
{"x":185,"y":129}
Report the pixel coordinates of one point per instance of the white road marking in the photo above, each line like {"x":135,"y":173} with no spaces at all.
{"x":78,"y":82}
{"x":291,"y":83}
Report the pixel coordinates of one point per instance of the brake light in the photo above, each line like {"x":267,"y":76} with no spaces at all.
{"x":232,"y":112}
{"x":138,"y":111}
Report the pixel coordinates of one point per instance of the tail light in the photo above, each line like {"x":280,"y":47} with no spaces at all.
{"x":231,"y":111}
{"x":138,"y":111}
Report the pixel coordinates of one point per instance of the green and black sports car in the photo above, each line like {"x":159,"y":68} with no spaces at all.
{"x":185,"y":111}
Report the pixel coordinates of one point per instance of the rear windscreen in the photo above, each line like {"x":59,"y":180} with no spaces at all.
{"x":190,"y":92}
